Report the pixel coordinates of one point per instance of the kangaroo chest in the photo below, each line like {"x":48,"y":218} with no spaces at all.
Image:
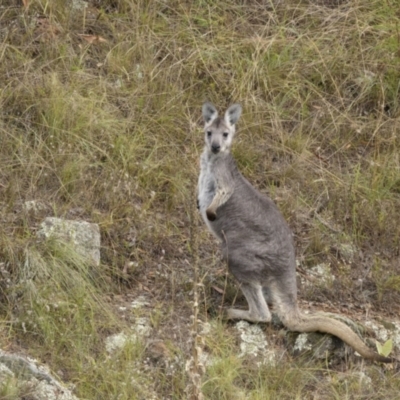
{"x":206,"y":185}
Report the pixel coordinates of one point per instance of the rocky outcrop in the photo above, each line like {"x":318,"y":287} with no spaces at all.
{"x":28,"y":377}
{"x":83,"y":236}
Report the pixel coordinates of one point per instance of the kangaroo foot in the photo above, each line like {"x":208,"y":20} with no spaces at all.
{"x":234,"y":313}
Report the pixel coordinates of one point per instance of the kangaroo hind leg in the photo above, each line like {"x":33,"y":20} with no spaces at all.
{"x":258,"y":309}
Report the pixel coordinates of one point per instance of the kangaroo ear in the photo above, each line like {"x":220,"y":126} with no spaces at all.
{"x":209,"y":112}
{"x":232,"y":114}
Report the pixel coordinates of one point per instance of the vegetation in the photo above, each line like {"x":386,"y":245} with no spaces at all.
{"x":100,"y":120}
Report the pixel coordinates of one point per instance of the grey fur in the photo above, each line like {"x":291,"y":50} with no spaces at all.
{"x":255,"y":238}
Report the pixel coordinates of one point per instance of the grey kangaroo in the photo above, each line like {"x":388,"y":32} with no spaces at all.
{"x":255,"y":239}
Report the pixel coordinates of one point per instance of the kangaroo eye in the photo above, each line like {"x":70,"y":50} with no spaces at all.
{"x":225,"y":134}
{"x":209,"y":133}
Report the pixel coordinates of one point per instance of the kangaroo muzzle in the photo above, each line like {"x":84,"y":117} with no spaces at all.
{"x":215,"y":148}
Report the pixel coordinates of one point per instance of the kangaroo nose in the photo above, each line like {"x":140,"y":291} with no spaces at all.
{"x":215,"y":148}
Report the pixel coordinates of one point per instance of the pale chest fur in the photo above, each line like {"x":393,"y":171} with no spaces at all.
{"x":206,"y":186}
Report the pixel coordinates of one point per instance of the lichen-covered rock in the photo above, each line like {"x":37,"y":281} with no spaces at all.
{"x":322,"y":345}
{"x":254,"y":342}
{"x":385,"y":330}
{"x":83,"y":236}
{"x":321,"y":276}
{"x":140,"y":330}
{"x":315,"y":345}
{"x":33,"y":206}
{"x":26,"y":373}
{"x":43,"y":390}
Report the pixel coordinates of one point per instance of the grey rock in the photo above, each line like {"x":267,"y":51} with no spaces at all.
{"x":316,"y":345}
{"x":253,"y":343}
{"x":348,"y":251}
{"x":34,"y":206}
{"x":83,"y":236}
{"x":321,"y":346}
{"x":140,"y":331}
{"x":43,"y":386}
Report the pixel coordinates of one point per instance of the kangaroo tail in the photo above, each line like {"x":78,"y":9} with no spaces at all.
{"x":314,"y":323}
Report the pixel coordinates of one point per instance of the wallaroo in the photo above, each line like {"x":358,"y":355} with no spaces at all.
{"x":255,"y":239}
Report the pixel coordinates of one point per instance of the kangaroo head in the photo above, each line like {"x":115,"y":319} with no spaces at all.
{"x":218,"y":131}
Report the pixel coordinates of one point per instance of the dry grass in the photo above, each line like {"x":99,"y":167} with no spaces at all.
{"x":99,"y":120}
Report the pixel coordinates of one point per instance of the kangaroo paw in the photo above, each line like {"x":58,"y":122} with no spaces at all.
{"x":211,"y":214}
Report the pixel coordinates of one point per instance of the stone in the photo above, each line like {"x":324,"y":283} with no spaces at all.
{"x":43,"y":386}
{"x":83,"y":236}
{"x":323,"y":274}
{"x":140,"y":331}
{"x":254,"y":342}
{"x":33,"y":206}
{"x":319,"y":345}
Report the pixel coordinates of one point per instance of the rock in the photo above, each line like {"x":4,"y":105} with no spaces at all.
{"x":42,"y":385}
{"x":140,"y":330}
{"x":323,"y":274}
{"x":385,"y":330}
{"x":142,"y":327}
{"x":254,"y":342}
{"x":33,"y":206}
{"x":316,"y":345}
{"x":139,"y":302}
{"x":348,"y":251}
{"x":79,"y":5}
{"x":118,"y":341}
{"x":83,"y":236}
{"x":321,"y":345}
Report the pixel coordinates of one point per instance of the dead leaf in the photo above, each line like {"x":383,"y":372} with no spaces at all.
{"x":217,"y":289}
{"x":145,"y":288}
{"x":25,"y":3}
{"x":93,"y":39}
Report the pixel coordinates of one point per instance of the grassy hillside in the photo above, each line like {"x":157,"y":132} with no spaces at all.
{"x":100,"y":121}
